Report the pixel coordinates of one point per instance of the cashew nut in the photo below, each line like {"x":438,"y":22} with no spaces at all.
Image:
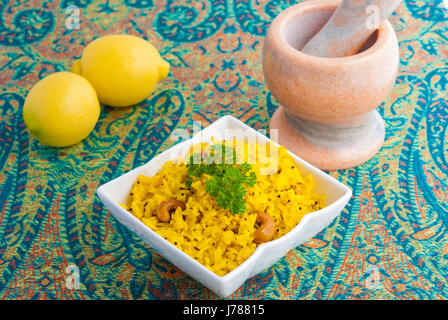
{"x":164,"y":209}
{"x":266,"y":230}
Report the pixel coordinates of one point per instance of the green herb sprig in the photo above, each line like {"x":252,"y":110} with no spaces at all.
{"x":227,"y":182}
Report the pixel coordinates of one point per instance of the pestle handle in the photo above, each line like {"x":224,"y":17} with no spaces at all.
{"x":353,"y":22}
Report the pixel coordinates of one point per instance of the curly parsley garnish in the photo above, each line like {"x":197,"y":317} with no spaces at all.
{"x":227,"y":182}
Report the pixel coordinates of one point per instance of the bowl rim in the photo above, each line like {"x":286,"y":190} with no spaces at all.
{"x":278,"y":25}
{"x":259,"y":250}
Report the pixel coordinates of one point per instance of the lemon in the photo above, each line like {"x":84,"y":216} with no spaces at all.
{"x":123,"y":69}
{"x":61,"y":109}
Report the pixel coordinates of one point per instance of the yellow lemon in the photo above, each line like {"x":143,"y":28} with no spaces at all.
{"x":61,"y":109}
{"x":123,"y":69}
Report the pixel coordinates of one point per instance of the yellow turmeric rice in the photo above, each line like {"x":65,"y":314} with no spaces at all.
{"x":215,"y":237}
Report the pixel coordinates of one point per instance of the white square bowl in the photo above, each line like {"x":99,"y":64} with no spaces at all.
{"x":116,"y":191}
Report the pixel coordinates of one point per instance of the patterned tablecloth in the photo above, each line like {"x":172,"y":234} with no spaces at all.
{"x":394,"y":229}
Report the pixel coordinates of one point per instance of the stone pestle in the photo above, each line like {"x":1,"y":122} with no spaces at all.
{"x":349,"y":27}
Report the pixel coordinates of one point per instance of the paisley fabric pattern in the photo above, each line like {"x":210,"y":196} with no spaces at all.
{"x":390,"y":242}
